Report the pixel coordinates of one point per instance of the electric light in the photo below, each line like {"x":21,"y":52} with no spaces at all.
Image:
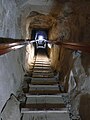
{"x":40,"y":37}
{"x":49,"y":45}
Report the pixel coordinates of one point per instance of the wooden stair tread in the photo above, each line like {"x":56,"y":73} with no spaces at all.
{"x":41,"y":76}
{"x":51,"y":92}
{"x":44,"y":83}
{"x":44,"y":106}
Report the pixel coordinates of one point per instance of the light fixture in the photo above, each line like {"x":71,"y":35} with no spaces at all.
{"x":49,"y":45}
{"x":40,"y":37}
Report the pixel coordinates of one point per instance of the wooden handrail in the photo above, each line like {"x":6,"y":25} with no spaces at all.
{"x":78,"y":46}
{"x":84,"y":46}
{"x":7,"y":48}
{"x":8,"y":44}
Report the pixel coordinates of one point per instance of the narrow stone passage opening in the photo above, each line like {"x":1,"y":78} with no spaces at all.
{"x":49,"y":83}
{"x":44,"y":98}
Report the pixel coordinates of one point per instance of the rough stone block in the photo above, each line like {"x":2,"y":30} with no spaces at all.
{"x":11,"y":110}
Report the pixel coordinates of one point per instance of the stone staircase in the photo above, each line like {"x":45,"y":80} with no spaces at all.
{"x":44,"y":100}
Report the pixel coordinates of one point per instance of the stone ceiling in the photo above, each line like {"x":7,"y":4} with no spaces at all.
{"x":35,"y":13}
{"x":41,"y":6}
{"x":60,"y":16}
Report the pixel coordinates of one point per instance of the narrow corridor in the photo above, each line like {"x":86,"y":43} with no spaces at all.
{"x":44,"y":99}
{"x":44,"y":59}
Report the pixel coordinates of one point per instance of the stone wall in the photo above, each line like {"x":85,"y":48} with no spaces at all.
{"x":30,"y":54}
{"x":54,"y":55}
{"x":9,"y":19}
{"x":72,"y":21}
{"x":11,"y":110}
{"x":12,"y":63}
{"x":11,"y":74}
{"x":73,"y":66}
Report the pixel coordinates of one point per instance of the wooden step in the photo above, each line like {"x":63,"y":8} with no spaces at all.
{"x":44,"y":71}
{"x":45,"y":67}
{"x":43,"y":87}
{"x":61,"y":114}
{"x":41,"y":76}
{"x":46,"y":96}
{"x":51,"y":99}
{"x":39,"y":82}
{"x":42,"y":62}
{"x":43,"y":79}
{"x":44,"y":92}
{"x":43,"y":106}
{"x":28,"y":110}
{"x":42,"y":65}
{"x":39,"y":63}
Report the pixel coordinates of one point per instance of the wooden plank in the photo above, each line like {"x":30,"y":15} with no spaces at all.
{"x":43,"y":79}
{"x":42,"y":75}
{"x":5,"y":48}
{"x":43,"y":86}
{"x":44,"y":106}
{"x":84,"y":47}
{"x":52,"y":99}
{"x":49,"y":96}
{"x":61,"y":114}
{"x":44,"y":71}
{"x":43,"y":82}
{"x":60,"y":111}
{"x":44,"y":92}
